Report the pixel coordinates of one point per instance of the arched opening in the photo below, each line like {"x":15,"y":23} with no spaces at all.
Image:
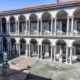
{"x":5,"y":48}
{"x":76,"y":49}
{"x":22,"y":47}
{"x":4,"y":27}
{"x":46,"y":49}
{"x":77,"y":20}
{"x":33,"y":23}
{"x":62,"y":21}
{"x":46,"y":22}
{"x":13,"y":47}
{"x":12,"y":24}
{"x":22,"y":24}
{"x":61,"y":51}
{"x":33,"y":48}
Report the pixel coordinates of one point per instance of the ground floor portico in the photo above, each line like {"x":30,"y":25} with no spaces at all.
{"x":57,"y":50}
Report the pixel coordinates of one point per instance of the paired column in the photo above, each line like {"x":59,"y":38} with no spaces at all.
{"x":54,"y":53}
{"x":71,"y":55}
{"x":1,"y":27}
{"x":26,"y":50}
{"x":51,"y":26}
{"x":51,"y":53}
{"x":8,"y":28}
{"x":26,"y":27}
{"x":41,"y":27}
{"x":72,"y":25}
{"x":38,"y":51}
{"x":55,"y":26}
{"x":29,"y":27}
{"x":66,"y":54}
{"x":41,"y":54}
{"x":68,"y":25}
{"x":18,"y":48}
{"x":8,"y":47}
{"x":38,"y":26}
{"x":17,"y":27}
{"x":0,"y":47}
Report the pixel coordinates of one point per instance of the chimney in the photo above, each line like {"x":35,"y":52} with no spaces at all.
{"x":57,"y":1}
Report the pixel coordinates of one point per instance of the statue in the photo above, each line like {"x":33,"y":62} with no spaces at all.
{"x":5,"y":65}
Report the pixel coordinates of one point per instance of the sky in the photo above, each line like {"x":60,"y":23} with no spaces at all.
{"x":17,"y":4}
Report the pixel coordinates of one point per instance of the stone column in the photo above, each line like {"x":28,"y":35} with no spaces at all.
{"x":68,"y":26}
{"x":54,"y":53}
{"x":66,"y":54}
{"x":72,"y":25}
{"x":55,"y":26}
{"x":1,"y":27}
{"x":29,"y":51}
{"x":51,"y":26}
{"x":29,"y":26}
{"x":7,"y":28}
{"x":41,"y":53}
{"x":26,"y":28}
{"x":51,"y":53}
{"x":18,"y":48}
{"x":17,"y":27}
{"x":38,"y":51}
{"x":26,"y":50}
{"x":16,"y":24}
{"x":0,"y":48}
{"x":8,"y":47}
{"x":38,"y":26}
{"x":71,"y":55}
{"x":41,"y":27}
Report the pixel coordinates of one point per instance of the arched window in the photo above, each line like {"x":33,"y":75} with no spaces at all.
{"x":62,"y":21}
{"x":12,"y":24}
{"x":46,"y":22}
{"x":33,"y":23}
{"x":22,"y":24}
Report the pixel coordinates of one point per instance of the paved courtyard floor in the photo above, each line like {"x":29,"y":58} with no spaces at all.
{"x":17,"y":71}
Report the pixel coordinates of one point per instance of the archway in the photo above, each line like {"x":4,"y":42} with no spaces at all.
{"x":46,"y":22}
{"x":22,"y":47}
{"x":62,"y":22}
{"x":61,"y":51}
{"x":46,"y":49}
{"x":22,"y":24}
{"x":12,"y":24}
{"x":13,"y":47}
{"x":77,"y":21}
{"x":4,"y":27}
{"x":33,"y":48}
{"x":76,"y":49}
{"x":5,"y":48}
{"x":33,"y":23}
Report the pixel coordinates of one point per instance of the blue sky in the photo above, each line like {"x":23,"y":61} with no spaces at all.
{"x":16,"y":4}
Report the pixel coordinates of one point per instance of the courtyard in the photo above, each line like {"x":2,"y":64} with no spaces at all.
{"x":18,"y":69}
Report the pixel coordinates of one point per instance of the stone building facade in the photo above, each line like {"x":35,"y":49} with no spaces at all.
{"x":44,"y":32}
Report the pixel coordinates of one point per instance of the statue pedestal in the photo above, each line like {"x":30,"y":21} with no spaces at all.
{"x":5,"y":72}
